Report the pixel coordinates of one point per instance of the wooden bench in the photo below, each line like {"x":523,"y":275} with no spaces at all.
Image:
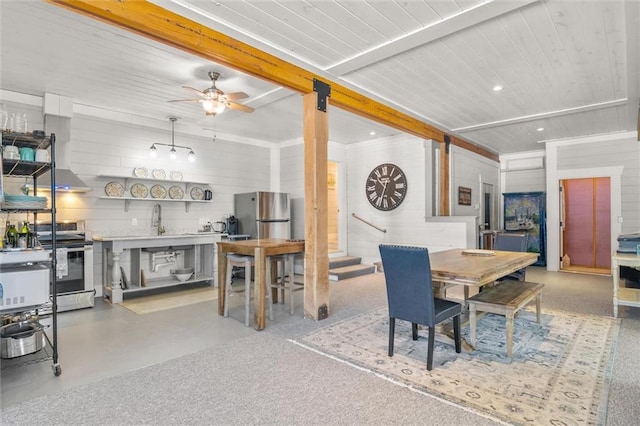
{"x":506,"y":299}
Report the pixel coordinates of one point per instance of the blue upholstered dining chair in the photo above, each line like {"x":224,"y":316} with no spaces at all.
{"x":407,"y":272}
{"x":512,"y":241}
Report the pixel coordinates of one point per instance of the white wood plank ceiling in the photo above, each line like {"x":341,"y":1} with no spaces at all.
{"x":570,"y":67}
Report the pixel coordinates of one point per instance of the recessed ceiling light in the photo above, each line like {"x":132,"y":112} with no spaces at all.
{"x":497,"y":88}
{"x":372,"y":133}
{"x":540,"y":129}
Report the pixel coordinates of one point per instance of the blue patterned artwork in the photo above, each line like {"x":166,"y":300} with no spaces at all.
{"x":524,"y":212}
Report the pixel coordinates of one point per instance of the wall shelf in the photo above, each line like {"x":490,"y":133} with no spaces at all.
{"x":127,"y":201}
{"x":130,"y":180}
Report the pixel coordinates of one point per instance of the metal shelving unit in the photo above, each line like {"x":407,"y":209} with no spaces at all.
{"x":33,"y":170}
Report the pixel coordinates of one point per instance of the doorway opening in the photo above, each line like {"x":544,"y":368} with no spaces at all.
{"x":585,"y":230}
{"x":333,"y":210}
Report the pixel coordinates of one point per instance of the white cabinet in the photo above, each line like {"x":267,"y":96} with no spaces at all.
{"x":156,"y":190}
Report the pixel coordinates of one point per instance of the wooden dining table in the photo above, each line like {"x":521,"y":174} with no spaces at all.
{"x":261,"y":249}
{"x":475,"y":268}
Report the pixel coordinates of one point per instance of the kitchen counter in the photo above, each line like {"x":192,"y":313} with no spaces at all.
{"x":163,"y":238}
{"x":199,"y":253}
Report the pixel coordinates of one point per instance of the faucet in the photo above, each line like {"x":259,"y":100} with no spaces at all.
{"x":156,"y":219}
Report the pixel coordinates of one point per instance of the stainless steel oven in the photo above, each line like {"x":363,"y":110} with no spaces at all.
{"x":74,"y":274}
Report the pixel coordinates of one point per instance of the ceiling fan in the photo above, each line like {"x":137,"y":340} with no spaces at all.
{"x":214,"y":101}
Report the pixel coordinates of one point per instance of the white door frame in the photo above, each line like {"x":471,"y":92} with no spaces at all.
{"x":342,"y":210}
{"x":554,"y":176}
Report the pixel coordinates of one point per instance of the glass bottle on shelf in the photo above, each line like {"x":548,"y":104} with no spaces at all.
{"x":25,"y":233}
{"x":12,"y":236}
{"x":4,"y":117}
{"x":18,"y":123}
{"x":11,"y":125}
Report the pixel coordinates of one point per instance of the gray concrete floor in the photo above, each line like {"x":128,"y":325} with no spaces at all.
{"x":108,"y":340}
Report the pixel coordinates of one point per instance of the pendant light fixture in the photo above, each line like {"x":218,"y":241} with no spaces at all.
{"x":153,"y":151}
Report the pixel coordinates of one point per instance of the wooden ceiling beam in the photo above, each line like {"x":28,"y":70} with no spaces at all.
{"x":167,"y":27}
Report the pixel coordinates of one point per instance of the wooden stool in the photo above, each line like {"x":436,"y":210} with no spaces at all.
{"x":505,"y":299}
{"x":245,"y":262}
{"x":288,"y":263}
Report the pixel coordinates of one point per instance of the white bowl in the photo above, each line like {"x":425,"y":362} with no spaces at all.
{"x":183,"y":274}
{"x":183,"y":277}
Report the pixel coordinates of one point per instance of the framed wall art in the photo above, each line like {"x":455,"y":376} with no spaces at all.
{"x":464,"y":196}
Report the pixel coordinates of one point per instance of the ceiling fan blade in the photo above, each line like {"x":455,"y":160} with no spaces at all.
{"x":236,"y":95}
{"x":185,"y":100}
{"x":239,"y":107}
{"x":199,"y":92}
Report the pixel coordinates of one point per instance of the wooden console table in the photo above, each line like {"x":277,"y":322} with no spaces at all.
{"x":624,"y":296}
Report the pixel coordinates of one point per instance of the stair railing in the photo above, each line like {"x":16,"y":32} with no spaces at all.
{"x":369,"y":223}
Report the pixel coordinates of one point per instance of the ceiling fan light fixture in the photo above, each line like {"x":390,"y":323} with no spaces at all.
{"x":213,"y":107}
{"x":172,"y":153}
{"x":153,"y":151}
{"x":192,"y":156}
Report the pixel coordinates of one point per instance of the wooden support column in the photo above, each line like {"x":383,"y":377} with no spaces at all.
{"x":316,"y":222}
{"x":444,"y":176}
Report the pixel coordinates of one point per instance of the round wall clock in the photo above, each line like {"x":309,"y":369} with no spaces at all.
{"x":386,"y":187}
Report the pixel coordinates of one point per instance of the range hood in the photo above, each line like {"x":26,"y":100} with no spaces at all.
{"x":66,"y":181}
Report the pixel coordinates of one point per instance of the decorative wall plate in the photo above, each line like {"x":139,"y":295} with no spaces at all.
{"x":158,"y":191}
{"x":175,"y":175}
{"x":114,"y":189}
{"x":141,"y":172}
{"x":197,"y":193}
{"x":176,"y":193}
{"x":138,"y":190}
{"x":159,"y":174}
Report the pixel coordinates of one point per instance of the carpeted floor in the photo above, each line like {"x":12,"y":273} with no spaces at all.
{"x":190,"y":366}
{"x":559,"y":374}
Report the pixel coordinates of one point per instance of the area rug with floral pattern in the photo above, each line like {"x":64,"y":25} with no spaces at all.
{"x":559,"y":373}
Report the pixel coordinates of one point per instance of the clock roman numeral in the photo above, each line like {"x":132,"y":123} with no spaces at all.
{"x":379,"y":201}
{"x":371,"y":188}
{"x":400,"y":185}
{"x":384,"y":170}
{"x":373,"y":196}
{"x":385,"y":204}
{"x":397,"y":194}
{"x":378,"y":174}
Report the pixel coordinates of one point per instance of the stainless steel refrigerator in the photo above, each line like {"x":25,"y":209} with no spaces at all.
{"x":263,"y":214}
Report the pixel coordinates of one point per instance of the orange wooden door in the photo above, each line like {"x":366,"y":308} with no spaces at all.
{"x":587,"y":222}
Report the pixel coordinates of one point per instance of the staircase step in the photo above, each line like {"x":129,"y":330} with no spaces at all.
{"x":339,"y":262}
{"x":350,"y":271}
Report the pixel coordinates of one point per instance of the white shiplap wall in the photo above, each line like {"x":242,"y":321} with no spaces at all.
{"x":525,"y":181}
{"x":292,"y":179}
{"x":523,"y":172}
{"x":616,"y":156}
{"x":407,"y":223}
{"x":105,"y":147}
{"x":470,"y":170}
{"x":100,"y":146}
{"x":618,"y":152}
